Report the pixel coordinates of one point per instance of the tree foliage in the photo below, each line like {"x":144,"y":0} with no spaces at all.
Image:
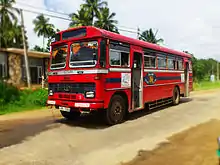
{"x":150,"y":36}
{"x":203,"y":68}
{"x":94,"y":13}
{"x":10,"y":30}
{"x":43,"y":27}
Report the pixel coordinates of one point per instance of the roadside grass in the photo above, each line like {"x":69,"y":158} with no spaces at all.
{"x":206,"y":85}
{"x":13,"y":99}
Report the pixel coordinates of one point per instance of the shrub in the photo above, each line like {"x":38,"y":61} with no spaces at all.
{"x":8,"y":93}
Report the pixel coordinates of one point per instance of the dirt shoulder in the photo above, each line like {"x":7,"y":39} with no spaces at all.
{"x":196,"y":146}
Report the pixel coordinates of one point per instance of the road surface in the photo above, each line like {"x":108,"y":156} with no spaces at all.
{"x":44,"y":138}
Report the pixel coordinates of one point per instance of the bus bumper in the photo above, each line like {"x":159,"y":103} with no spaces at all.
{"x":76,"y":105}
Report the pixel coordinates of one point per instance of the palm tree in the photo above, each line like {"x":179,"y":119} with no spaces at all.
{"x":43,"y":27}
{"x":92,"y":7}
{"x":150,"y":36}
{"x":7,"y":17}
{"x":81,"y":18}
{"x":106,"y":20}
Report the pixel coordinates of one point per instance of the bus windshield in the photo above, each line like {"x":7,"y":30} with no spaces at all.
{"x":84,"y":54}
{"x":58,"y":59}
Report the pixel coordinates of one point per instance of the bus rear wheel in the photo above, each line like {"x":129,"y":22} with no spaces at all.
{"x":70,"y":115}
{"x":176,"y":96}
{"x":116,"y":111}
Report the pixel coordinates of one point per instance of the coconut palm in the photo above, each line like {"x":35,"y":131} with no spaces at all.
{"x":105,"y":20}
{"x":7,"y":17}
{"x":43,"y":27}
{"x":92,"y":7}
{"x":150,"y":36}
{"x":81,"y":18}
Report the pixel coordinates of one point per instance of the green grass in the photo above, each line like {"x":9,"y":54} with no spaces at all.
{"x":15,"y":100}
{"x":206,"y":85}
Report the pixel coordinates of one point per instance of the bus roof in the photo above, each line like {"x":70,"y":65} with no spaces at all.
{"x":93,"y":31}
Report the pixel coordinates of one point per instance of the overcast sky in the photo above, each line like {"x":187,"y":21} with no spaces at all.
{"x":184,"y":25}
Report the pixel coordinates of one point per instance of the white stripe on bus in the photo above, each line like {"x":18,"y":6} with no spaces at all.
{"x":68,"y":72}
{"x":120,"y":69}
{"x":96,"y":71}
{"x":164,"y":71}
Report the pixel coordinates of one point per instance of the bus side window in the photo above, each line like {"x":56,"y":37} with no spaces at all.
{"x":119,"y":55}
{"x":171,"y":63}
{"x":179,"y":64}
{"x":124,"y":59}
{"x":162,"y":62}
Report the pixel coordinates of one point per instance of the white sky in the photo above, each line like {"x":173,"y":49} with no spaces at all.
{"x":184,"y":25}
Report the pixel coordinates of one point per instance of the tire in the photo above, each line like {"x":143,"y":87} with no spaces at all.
{"x":116,"y":111}
{"x":70,"y":115}
{"x":176,"y":96}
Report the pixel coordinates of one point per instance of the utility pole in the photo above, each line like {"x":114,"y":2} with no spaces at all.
{"x":25,"y":51}
{"x":217,"y":70}
{"x":138,"y":32}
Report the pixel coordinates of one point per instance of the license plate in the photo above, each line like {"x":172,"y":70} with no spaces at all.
{"x":82,"y":105}
{"x":64,"y":109}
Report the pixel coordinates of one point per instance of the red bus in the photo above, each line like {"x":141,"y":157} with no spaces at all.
{"x":96,"y":70}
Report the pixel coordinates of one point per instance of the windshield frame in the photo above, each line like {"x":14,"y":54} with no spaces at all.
{"x":51,"y":58}
{"x":83,"y":66}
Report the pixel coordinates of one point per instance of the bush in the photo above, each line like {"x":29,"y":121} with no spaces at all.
{"x":8,"y":93}
{"x":32,"y":98}
{"x":13,"y":100}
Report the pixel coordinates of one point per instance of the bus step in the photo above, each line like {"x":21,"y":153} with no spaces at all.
{"x":159,"y":103}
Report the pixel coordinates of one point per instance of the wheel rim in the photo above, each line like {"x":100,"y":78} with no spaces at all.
{"x":176,"y":96}
{"x":116,"y":112}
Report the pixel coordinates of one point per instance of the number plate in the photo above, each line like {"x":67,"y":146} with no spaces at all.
{"x":64,"y":109}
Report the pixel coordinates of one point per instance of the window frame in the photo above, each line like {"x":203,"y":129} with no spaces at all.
{"x":119,"y":51}
{"x":173,"y":58}
{"x":161,"y":56}
{"x":155,"y":57}
{"x":65,"y":63}
{"x":83,"y":66}
{"x":180,"y":60}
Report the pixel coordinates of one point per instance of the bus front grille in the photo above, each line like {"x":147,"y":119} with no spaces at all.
{"x":75,"y":88}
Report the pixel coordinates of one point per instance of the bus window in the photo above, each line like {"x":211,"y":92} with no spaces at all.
{"x":149,"y":61}
{"x":171,"y":63}
{"x":119,"y":56}
{"x":115,"y":58}
{"x":179,"y":64}
{"x":162,"y":62}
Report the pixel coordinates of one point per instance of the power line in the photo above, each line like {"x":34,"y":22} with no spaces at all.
{"x":59,"y":17}
{"x":40,"y":8}
{"x":132,"y":30}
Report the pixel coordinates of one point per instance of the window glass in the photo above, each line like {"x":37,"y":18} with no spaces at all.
{"x":149,"y":61}
{"x":180,"y":65}
{"x":118,"y":58}
{"x":171,"y":63}
{"x":162,"y":62}
{"x":58,"y":59}
{"x":115,"y":58}
{"x":84,"y":54}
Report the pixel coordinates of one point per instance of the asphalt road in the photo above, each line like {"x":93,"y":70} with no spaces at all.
{"x":44,"y":138}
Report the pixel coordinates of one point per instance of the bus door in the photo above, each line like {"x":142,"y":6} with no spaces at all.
{"x":137,"y":81}
{"x":186,"y":77}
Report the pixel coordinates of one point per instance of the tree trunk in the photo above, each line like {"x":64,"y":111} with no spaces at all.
{"x":43,"y":42}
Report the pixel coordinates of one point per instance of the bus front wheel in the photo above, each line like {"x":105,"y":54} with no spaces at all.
{"x":176,"y":96}
{"x":70,"y":115}
{"x":116,"y":111}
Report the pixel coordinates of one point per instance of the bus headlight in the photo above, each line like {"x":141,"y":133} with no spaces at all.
{"x":50,"y":92}
{"x":90,"y":94}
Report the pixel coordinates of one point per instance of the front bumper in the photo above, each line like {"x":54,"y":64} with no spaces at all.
{"x":76,"y":105}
